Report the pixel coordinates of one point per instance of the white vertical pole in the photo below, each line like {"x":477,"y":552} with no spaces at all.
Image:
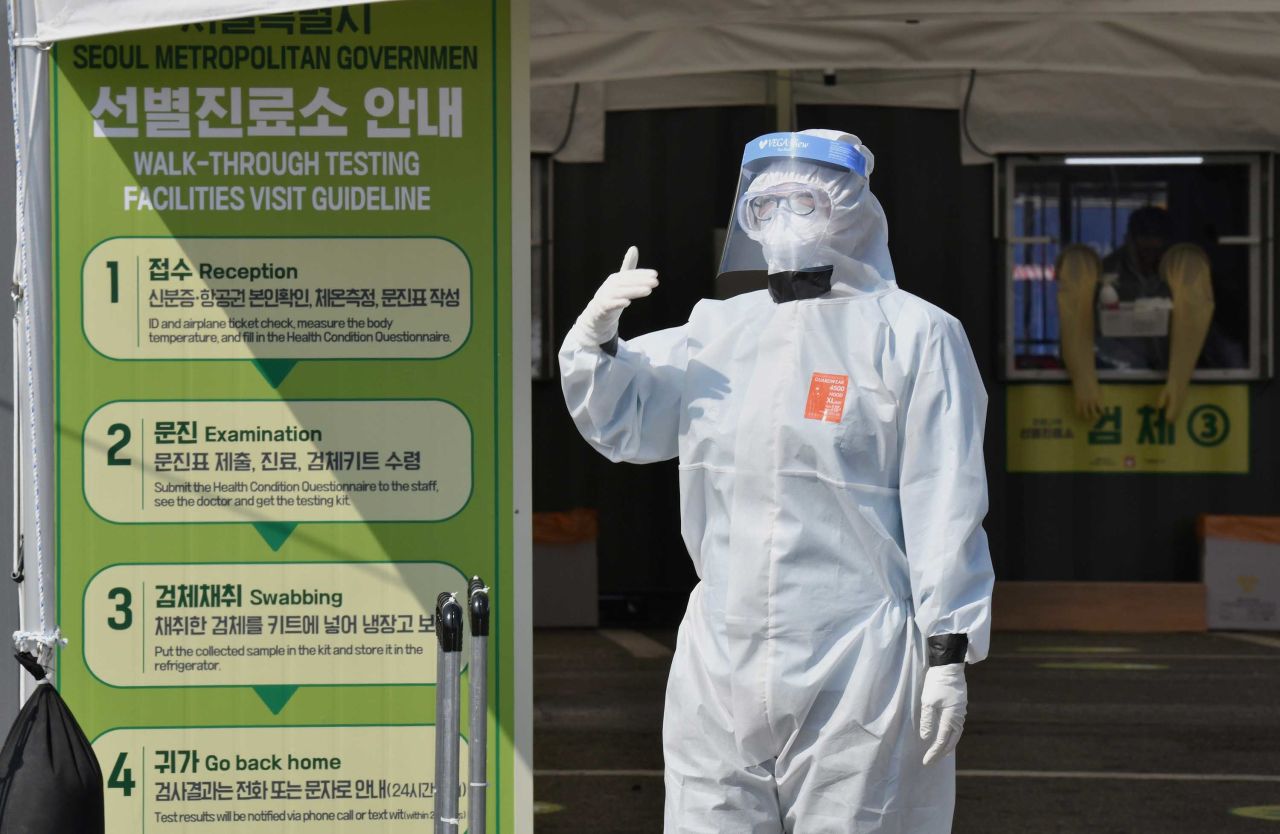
{"x":514,"y":604}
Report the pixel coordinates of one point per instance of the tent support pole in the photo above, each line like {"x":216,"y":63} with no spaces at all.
{"x":784,"y":101}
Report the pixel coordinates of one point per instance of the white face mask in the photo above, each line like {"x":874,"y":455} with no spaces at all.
{"x":789,"y":222}
{"x":787,"y":247}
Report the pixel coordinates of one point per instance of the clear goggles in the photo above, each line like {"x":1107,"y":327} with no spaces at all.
{"x":758,"y":209}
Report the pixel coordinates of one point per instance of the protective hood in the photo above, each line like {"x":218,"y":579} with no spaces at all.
{"x":836,"y":223}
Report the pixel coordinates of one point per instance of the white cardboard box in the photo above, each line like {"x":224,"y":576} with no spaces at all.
{"x":1242,"y":573}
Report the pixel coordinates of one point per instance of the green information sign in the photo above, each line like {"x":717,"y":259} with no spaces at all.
{"x":283,"y":401}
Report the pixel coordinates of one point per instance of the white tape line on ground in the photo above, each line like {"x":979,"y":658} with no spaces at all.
{"x":1255,"y":639}
{"x":636,"y":643}
{"x":993,"y":774}
{"x":656,"y":774}
{"x":1120,"y":775}
{"x":1135,"y":657}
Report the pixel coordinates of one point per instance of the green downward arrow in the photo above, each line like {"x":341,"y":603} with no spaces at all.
{"x":275,"y":370}
{"x":275,"y":697}
{"x":274,"y":533}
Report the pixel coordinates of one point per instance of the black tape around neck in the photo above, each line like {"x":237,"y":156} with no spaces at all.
{"x":800,"y":284}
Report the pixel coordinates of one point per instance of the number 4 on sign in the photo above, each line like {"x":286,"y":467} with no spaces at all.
{"x":122,"y":777}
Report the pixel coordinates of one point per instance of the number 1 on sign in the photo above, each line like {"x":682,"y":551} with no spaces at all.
{"x":114,"y":267}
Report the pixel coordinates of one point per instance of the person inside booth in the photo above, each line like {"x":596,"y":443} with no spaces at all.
{"x":1146,"y":306}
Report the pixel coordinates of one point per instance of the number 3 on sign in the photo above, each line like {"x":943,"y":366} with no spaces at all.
{"x":123,"y":598}
{"x":1208,"y":425}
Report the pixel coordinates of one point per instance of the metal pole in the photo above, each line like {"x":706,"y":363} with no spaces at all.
{"x":784,"y":102}
{"x":478,"y":717}
{"x":18,"y":575}
{"x":18,"y":568}
{"x":448,"y":670}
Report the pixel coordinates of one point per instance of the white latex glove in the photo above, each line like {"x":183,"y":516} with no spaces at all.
{"x":598,"y":323}
{"x":943,"y":703}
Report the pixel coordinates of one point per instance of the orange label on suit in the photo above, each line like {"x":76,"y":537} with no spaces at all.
{"x":826,"y":397}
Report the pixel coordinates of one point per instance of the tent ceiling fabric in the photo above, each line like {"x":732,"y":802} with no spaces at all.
{"x":1090,"y":75}
{"x":58,"y":20}
{"x":1119,"y":74}
{"x":572,"y":129}
{"x":716,"y":36}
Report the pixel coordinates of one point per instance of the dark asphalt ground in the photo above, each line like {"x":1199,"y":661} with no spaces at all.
{"x":1063,"y":718}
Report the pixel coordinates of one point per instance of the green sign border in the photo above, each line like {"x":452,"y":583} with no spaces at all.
{"x":501,"y":82}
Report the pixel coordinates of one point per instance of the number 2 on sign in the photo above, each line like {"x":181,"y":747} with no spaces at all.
{"x":113,"y":458}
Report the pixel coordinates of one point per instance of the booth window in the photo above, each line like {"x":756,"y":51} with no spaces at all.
{"x":1131,"y":211}
{"x":542,"y":349}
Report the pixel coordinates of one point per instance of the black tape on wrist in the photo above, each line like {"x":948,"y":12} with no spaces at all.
{"x":946,"y":649}
{"x":611,"y":347}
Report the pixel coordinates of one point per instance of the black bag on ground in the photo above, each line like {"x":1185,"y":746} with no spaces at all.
{"x":50,"y":781}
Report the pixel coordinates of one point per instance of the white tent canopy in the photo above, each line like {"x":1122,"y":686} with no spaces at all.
{"x":1052,"y":75}
{"x":1094,"y":75}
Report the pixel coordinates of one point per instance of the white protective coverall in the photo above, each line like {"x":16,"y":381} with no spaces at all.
{"x":827,"y":549}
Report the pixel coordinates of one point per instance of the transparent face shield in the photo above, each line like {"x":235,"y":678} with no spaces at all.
{"x":790,"y":189}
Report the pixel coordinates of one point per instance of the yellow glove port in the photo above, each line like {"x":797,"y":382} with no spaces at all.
{"x":1078,"y":270}
{"x":1185,"y":268}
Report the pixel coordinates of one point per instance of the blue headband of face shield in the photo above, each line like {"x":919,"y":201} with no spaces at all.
{"x":771,"y":146}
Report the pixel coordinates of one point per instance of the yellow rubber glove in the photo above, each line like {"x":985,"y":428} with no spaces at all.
{"x":1185,"y":268}
{"x":1078,"y":270}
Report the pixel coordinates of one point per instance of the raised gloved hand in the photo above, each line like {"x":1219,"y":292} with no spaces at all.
{"x":598,"y":323}
{"x":943,"y":703}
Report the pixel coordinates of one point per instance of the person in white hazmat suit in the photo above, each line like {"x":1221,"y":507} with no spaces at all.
{"x":829,"y":434}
